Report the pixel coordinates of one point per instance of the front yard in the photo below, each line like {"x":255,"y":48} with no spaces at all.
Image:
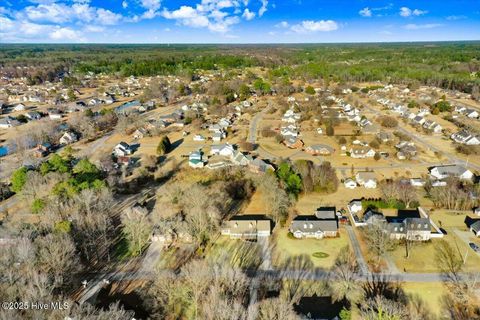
{"x":322,"y":253}
{"x":422,"y":256}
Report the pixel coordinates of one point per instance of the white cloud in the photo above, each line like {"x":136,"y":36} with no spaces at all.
{"x":407,"y":12}
{"x":124,"y":4}
{"x":283,"y":24}
{"x":94,"y":29}
{"x":78,"y":12}
{"x":263,"y":8}
{"x":452,"y":18}
{"x":6,"y":24}
{"x":53,"y":12}
{"x":248,"y":15}
{"x":107,"y":17}
{"x":217,"y":16}
{"x":365,"y":12}
{"x":68,"y":34}
{"x":413,"y":26}
{"x":151,"y":4}
{"x":314,"y":26}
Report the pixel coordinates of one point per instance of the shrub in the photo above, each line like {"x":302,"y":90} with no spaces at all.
{"x":320,"y":255}
{"x":19,"y":178}
{"x":310,"y":90}
{"x":37,"y":205}
{"x":388,"y":122}
{"x":330,"y":131}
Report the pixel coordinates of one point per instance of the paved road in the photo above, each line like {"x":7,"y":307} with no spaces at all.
{"x":252,"y":132}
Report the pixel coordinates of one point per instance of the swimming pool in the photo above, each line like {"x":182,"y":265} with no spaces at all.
{"x":3,"y":151}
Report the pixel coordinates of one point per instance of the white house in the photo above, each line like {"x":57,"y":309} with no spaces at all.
{"x":471,"y":113}
{"x":366,"y":179}
{"x":355,"y":206}
{"x":454,"y":170}
{"x":362,"y":152}
{"x":198,"y":137}
{"x":225,"y":150}
{"x":19,"y":107}
{"x":350,"y":183}
{"x":417,"y":182}
{"x":68,"y":137}
{"x":122,"y":149}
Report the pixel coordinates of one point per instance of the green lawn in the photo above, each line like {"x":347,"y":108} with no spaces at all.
{"x":289,"y":247}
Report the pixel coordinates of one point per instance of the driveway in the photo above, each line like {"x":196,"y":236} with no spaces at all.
{"x":465,"y":237}
{"x":358,"y":253}
{"x":264,"y":243}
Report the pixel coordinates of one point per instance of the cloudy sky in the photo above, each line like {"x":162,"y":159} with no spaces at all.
{"x":237,"y":21}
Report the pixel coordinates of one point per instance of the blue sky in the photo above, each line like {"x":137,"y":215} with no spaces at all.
{"x":237,"y":21}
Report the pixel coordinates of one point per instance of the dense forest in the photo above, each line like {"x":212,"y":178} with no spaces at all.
{"x":451,"y":65}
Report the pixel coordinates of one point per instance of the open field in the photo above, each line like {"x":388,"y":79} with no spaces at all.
{"x":289,"y":247}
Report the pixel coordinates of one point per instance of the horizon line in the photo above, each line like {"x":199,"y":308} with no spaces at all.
{"x":236,"y":43}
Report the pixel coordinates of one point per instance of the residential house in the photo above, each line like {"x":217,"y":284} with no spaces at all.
{"x":465,"y":137}
{"x":324,"y":223}
{"x":432,"y":126}
{"x":42,"y":150}
{"x":225,"y":149}
{"x":248,"y":227}
{"x":122,"y":149}
{"x":239,"y":159}
{"x":366,"y":179}
{"x":54,"y":114}
{"x":372,"y":217}
{"x":320,"y":149}
{"x":406,"y":225}
{"x":362,"y":152}
{"x":140,"y":133}
{"x":293,"y":143}
{"x":68,"y":137}
{"x":355,"y":206}
{"x":198,"y":137}
{"x":419,"y":120}
{"x":33,"y":115}
{"x":454,"y":170}
{"x":384,"y":136}
{"x":19,"y":107}
{"x":409,"y":225}
{"x":350,"y":183}
{"x":8,"y":122}
{"x":417,"y":182}
{"x":475,"y":228}
{"x":217,"y":136}
{"x":471,"y":113}
{"x":258,"y":165}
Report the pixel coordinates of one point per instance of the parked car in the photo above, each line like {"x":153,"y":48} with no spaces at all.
{"x":474,"y":247}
